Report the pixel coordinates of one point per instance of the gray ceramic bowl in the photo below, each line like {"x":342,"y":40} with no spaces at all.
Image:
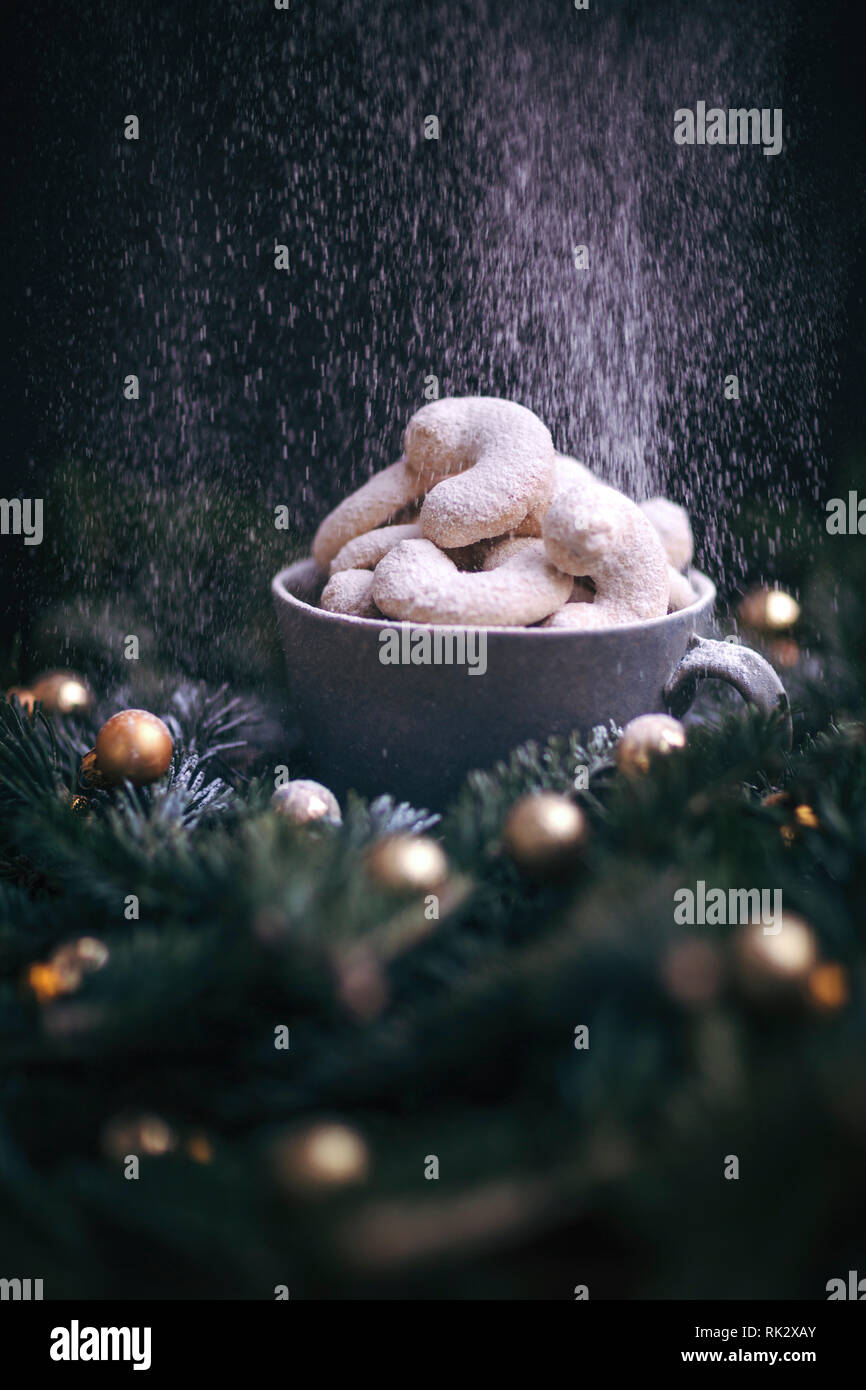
{"x":416,"y":730}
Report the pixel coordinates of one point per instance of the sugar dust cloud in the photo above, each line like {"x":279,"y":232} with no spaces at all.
{"x":412,"y":257}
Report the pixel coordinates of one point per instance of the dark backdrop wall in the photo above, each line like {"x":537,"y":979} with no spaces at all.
{"x":407,"y":257}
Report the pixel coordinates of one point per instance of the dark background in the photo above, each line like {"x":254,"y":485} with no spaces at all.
{"x":169,"y":507}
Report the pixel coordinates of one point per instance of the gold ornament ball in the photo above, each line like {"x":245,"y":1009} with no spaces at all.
{"x":303,"y":801}
{"x":63,"y":692}
{"x":646,"y":737}
{"x":775,"y":965}
{"x":80,"y":957}
{"x":320,"y":1159}
{"x":25,"y":697}
{"x":138,"y":1134}
{"x":768,"y":610}
{"x":408,"y":864}
{"x":544,"y":831}
{"x":132,"y":746}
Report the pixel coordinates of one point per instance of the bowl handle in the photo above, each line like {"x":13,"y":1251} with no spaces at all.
{"x":742,"y":668}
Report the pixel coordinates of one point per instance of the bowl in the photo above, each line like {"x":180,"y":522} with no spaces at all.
{"x":411,"y":708}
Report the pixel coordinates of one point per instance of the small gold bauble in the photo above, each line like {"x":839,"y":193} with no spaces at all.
{"x":63,"y":973}
{"x":544,"y":831}
{"x":408,"y":864}
{"x":803,"y":817}
{"x":775,"y":964}
{"x":199,"y":1148}
{"x":828,"y":987}
{"x":646,"y":737}
{"x":81,"y":957}
{"x":139,"y":1134}
{"x":768,"y":610}
{"x":47,"y":982}
{"x":303,"y":801}
{"x":79,"y":805}
{"x":132,"y":746}
{"x":321,"y":1158}
{"x":63,"y":692}
{"x":25,"y":697}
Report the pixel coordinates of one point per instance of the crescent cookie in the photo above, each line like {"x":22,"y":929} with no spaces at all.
{"x":417,"y":582}
{"x":681,"y":595}
{"x":350,"y":591}
{"x":501,"y":550}
{"x":594,"y":531}
{"x":673,"y":525}
{"x":488,"y":463}
{"x":567,"y":472}
{"x":365,"y":552}
{"x":371,"y":505}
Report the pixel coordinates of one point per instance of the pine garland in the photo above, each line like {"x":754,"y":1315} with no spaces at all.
{"x":244,"y":924}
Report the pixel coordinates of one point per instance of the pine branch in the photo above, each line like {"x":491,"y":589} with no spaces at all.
{"x":184,"y":797}
{"x":367,"y":821}
{"x":473,"y":824}
{"x":201,"y":720}
{"x":28,"y":754}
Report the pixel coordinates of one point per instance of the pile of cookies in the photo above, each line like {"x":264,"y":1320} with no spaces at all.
{"x":482,"y":523}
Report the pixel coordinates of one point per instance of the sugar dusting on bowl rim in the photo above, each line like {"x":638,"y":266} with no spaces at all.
{"x":706,"y":596}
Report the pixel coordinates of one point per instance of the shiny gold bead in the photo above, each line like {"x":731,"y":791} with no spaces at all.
{"x":89,"y":776}
{"x":139,"y":1134}
{"x":63,"y":973}
{"x":199,"y":1148}
{"x":828,"y":987}
{"x":47,"y":982}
